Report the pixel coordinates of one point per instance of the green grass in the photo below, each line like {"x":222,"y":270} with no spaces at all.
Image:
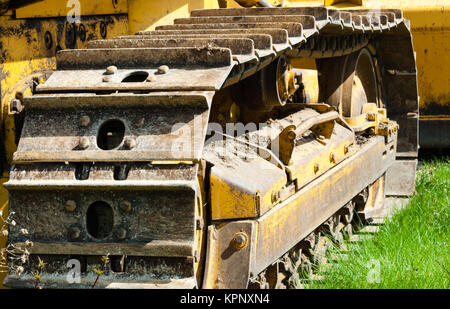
{"x":412,"y":249}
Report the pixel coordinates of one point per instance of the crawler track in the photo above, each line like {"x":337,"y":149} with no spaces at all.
{"x":149,"y":187}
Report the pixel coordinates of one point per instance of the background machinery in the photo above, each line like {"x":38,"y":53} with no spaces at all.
{"x":201,"y":143}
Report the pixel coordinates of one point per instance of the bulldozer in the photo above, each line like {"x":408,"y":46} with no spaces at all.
{"x":203,"y":143}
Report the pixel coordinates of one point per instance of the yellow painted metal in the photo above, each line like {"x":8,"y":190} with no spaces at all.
{"x":228,"y":201}
{"x":333,"y":2}
{"x":247,"y":3}
{"x":233,"y":197}
{"x":146,"y":15}
{"x":318,"y":160}
{"x":25,"y":55}
{"x":278,"y":225}
{"x":54,"y":8}
{"x":430,"y":29}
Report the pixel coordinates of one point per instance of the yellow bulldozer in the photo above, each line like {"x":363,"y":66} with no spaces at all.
{"x":207,"y":143}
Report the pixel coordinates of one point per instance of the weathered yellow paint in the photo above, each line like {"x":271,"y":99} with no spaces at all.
{"x":333,"y":2}
{"x":146,"y":15}
{"x":24,"y":55}
{"x":430,"y":29}
{"x":277,"y":227}
{"x":230,"y":202}
{"x":54,"y":8}
{"x":305,"y":173}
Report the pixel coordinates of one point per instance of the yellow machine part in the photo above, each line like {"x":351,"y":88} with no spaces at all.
{"x":430,"y":29}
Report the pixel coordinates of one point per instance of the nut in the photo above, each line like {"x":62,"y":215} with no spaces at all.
{"x":15,"y":106}
{"x":240,"y":240}
{"x":140,"y":122}
{"x":316,"y":167}
{"x":345,"y":149}
{"x":85,"y":121}
{"x":125,"y":206}
{"x":70,"y":205}
{"x":200,"y":223}
{"x":371,"y":117}
{"x":332,"y":158}
{"x":111,"y":70}
{"x":291,"y":135}
{"x":84,"y":142}
{"x":151,"y":78}
{"x":120,"y":233}
{"x":106,"y":79}
{"x":196,"y":256}
{"x":129,"y":143}
{"x":74,"y":232}
{"x":163,"y":69}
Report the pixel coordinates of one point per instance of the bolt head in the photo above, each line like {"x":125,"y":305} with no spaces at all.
{"x":371,"y":117}
{"x":151,"y":78}
{"x":140,"y":122}
{"x":84,"y":121}
{"x":111,"y":70}
{"x":240,"y":240}
{"x":106,"y":79}
{"x":332,"y":158}
{"x":163,"y":69}
{"x":70,"y":206}
{"x":130,"y":143}
{"x":74,"y":232}
{"x":291,"y":135}
{"x":125,"y":206}
{"x":200,"y":223}
{"x":84,"y":142}
{"x":316,"y":167}
{"x":16,"y":106}
{"x":120,"y":233}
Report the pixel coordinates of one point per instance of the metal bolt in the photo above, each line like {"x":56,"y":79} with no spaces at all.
{"x":345,"y":149}
{"x":74,"y":232}
{"x":151,"y":78}
{"x":120,"y":233}
{"x":106,"y":79}
{"x":84,"y":142}
{"x":112,"y":69}
{"x":70,"y":206}
{"x":48,"y":41}
{"x":371,"y":117}
{"x":291,"y":135}
{"x":129,"y":143}
{"x":332,"y":158}
{"x":15,"y":106}
{"x":196,"y":256}
{"x":240,"y":240}
{"x":274,"y":197}
{"x":125,"y":206}
{"x":140,"y":122}
{"x":163,"y":69}
{"x":84,"y":121}
{"x":200,"y":223}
